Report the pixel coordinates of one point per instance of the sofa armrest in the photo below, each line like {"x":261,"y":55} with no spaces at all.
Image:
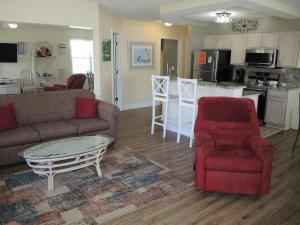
{"x":260,"y":146}
{"x":202,"y":137}
{"x":110,"y":113}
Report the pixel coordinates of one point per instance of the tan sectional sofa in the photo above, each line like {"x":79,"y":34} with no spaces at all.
{"x":51,"y":115}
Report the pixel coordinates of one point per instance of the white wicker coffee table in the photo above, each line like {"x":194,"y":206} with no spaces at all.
{"x":66,"y":155}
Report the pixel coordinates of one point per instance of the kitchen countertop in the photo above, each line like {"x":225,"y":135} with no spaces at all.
{"x":225,"y":85}
{"x":287,"y":88}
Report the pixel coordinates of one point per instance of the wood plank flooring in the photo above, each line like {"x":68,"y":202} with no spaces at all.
{"x":190,"y":206}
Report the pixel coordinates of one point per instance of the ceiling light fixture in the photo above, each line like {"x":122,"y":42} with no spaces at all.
{"x":78,"y":27}
{"x":12,"y":25}
{"x":223,"y":17}
{"x":168,"y":24}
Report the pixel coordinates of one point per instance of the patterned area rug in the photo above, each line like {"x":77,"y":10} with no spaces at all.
{"x":130,"y":181}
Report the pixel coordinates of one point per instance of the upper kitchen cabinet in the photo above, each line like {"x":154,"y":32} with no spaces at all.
{"x":288,"y":48}
{"x":224,"y":42}
{"x":210,"y":42}
{"x":269,"y":40}
{"x":262,"y":40}
{"x":238,"y":49}
{"x":254,"y":41}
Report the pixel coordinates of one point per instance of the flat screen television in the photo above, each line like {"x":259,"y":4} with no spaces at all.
{"x":8,"y":53}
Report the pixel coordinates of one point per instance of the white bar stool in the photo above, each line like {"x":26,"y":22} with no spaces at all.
{"x":160,"y":93}
{"x":187,"y":95}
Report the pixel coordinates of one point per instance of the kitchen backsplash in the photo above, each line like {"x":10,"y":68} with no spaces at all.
{"x":290,"y":76}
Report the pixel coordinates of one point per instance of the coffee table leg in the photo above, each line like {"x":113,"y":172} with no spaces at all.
{"x":50,"y":177}
{"x":50,"y":182}
{"x":98,"y":168}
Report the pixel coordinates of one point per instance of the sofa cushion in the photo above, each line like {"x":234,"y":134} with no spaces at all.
{"x":18,"y":136}
{"x":8,"y":118}
{"x":42,"y":107}
{"x":89,"y":125}
{"x":86,"y":108}
{"x":55,"y":129}
{"x":233,"y":160}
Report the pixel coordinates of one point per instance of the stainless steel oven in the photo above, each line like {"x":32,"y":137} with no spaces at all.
{"x":261,"y":104}
{"x":261,"y":58}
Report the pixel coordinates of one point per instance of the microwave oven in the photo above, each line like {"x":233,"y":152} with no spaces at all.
{"x":261,"y":58}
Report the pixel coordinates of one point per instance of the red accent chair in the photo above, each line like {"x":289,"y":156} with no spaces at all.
{"x":75,"y":81}
{"x":231,"y":156}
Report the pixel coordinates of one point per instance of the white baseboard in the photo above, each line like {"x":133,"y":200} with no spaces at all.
{"x":137,"y":105}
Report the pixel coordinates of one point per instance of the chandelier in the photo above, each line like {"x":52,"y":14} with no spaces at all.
{"x":223,"y":17}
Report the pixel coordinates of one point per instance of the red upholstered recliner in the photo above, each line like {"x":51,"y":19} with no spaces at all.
{"x":231,"y":156}
{"x":75,"y":81}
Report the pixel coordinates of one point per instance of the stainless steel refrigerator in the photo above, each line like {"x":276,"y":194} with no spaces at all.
{"x":212,"y":65}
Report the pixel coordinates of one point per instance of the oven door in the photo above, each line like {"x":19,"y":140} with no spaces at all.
{"x":261,"y":104}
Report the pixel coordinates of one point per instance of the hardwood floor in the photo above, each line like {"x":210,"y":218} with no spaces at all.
{"x":190,"y":206}
{"x":281,"y":206}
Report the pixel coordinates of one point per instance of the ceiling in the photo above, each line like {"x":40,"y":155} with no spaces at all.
{"x":236,"y":13}
{"x":200,"y":12}
{"x":136,"y":9}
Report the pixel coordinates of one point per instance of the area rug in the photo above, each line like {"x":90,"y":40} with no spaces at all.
{"x":130,"y":181}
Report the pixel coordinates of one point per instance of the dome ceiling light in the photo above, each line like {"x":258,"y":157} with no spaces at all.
{"x":168,"y":24}
{"x":223,"y":17}
{"x":12,"y":25}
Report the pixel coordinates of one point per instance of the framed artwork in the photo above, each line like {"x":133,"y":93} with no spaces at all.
{"x":106,"y":50}
{"x":141,"y":55}
{"x":62,"y":49}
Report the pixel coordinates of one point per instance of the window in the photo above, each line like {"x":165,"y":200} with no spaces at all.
{"x":82,"y":55}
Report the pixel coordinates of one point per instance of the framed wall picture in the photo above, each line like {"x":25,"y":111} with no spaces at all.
{"x":62,"y":49}
{"x":141,"y":55}
{"x":106,"y":50}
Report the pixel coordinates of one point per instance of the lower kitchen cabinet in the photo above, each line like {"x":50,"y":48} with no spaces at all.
{"x":282,"y":108}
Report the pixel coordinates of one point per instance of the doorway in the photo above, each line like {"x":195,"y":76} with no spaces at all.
{"x":169,"y":57}
{"x":116,"y":69}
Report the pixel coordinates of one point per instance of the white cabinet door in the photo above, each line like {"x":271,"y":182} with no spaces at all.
{"x":224,"y":42}
{"x":270,"y":40}
{"x":276,"y":108}
{"x":288,"y":47}
{"x":210,"y":42}
{"x":13,"y":89}
{"x":3,"y":90}
{"x":238,"y":49}
{"x":254,"y":41}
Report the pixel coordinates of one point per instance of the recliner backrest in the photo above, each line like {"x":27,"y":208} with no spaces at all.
{"x":229,"y":120}
{"x":76,"y":81}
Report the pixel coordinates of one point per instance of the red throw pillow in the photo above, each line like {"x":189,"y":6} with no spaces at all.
{"x":86,"y":107}
{"x":8,"y":118}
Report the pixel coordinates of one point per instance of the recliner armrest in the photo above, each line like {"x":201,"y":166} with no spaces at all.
{"x":260,"y":146}
{"x":204,"y":138}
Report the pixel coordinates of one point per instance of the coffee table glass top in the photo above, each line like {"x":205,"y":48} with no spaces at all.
{"x":67,"y":147}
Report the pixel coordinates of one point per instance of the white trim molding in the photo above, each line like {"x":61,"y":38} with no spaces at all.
{"x":138,"y":105}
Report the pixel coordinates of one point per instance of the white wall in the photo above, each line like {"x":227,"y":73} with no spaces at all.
{"x":137,"y":82}
{"x":107,"y":23}
{"x":35,"y":33}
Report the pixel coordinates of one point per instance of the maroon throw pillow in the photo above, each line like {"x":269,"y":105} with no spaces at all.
{"x":8,"y":119}
{"x":86,"y":107}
